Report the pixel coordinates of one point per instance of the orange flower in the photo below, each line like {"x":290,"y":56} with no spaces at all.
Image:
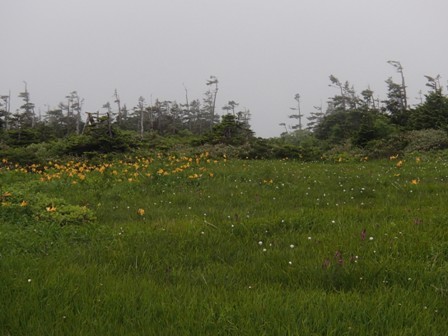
{"x":51,"y":209}
{"x":393,"y":157}
{"x":141,"y":212}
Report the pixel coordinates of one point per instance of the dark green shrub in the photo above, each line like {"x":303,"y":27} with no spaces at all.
{"x":384,"y":148}
{"x":22,"y":155}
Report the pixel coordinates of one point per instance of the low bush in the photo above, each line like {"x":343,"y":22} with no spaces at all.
{"x":426,"y":140}
{"x":18,"y":207}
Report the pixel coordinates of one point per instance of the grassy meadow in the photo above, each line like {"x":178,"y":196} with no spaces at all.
{"x":194,"y":245}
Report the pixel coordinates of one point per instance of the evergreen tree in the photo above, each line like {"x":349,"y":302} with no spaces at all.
{"x":433,"y":113}
{"x":27,"y":117}
{"x":230,"y":131}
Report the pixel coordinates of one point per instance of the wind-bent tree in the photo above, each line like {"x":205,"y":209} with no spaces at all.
{"x":5,"y":110}
{"x":140,"y":111}
{"x":315,"y":117}
{"x":76,"y":103}
{"x":27,"y":117}
{"x":397,"y":104}
{"x":211,"y":99}
{"x":71,"y":120}
{"x":284,"y":125}
{"x":297,"y":116}
{"x":117,"y":101}
{"x":368,"y":101}
{"x":108,"y":118}
{"x":394,"y":104}
{"x":397,"y":65}
{"x":434,"y":83}
{"x":244,"y":116}
{"x":347,"y":99}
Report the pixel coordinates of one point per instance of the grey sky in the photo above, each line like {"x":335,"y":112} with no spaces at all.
{"x":262,"y":51}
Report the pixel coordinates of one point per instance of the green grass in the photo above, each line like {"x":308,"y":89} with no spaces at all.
{"x":259,"y":248}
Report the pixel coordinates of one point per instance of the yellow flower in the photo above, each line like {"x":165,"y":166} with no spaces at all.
{"x":417,"y":160}
{"x":141,"y":212}
{"x":23,"y":203}
{"x":51,"y":208}
{"x":415,"y":181}
{"x":399,"y":163}
{"x":393,"y":157}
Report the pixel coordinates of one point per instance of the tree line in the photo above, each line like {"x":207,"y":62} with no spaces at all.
{"x":360,"y":121}
{"x":364,"y":120}
{"x":197,"y":116}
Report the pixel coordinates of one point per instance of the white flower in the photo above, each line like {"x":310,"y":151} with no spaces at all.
{"x":260,"y":243}
{"x":29,"y":280}
{"x":290,"y":262}
{"x":291,"y":246}
{"x":371,"y":238}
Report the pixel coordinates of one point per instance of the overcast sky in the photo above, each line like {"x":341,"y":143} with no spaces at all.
{"x":263,"y":52}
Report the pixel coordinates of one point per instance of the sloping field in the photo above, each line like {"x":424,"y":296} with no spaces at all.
{"x":172,"y":245}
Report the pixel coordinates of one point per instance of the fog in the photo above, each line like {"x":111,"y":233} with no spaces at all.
{"x":262,"y":52}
